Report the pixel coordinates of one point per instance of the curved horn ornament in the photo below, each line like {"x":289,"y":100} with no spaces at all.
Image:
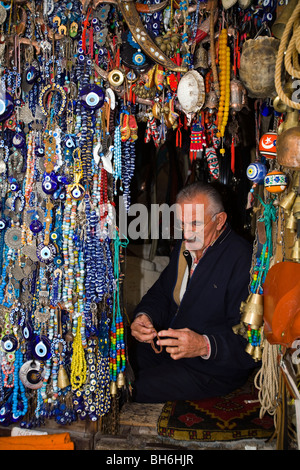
{"x":140,"y":35}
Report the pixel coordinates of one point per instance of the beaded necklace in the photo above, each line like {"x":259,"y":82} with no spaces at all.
{"x":19,"y":400}
{"x":117,"y":342}
{"x":78,"y":363}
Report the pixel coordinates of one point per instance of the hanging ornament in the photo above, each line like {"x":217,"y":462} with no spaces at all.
{"x":267,"y":145}
{"x":275,"y":181}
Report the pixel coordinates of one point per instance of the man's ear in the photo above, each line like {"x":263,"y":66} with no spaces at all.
{"x":221,"y":219}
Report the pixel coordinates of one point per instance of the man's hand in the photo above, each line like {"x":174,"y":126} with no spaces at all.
{"x":183,"y":343}
{"x":142,"y":329}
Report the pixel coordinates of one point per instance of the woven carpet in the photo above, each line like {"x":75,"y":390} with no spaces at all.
{"x":229,"y":418}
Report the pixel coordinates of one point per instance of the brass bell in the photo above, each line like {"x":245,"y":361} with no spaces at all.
{"x":113,"y":389}
{"x":296,"y":208}
{"x":287,"y":201}
{"x":296,"y":251}
{"x":200,"y":58}
{"x":252,"y":311}
{"x":62,"y":379}
{"x":120,"y":380}
{"x":291,"y":222}
{"x":257,"y":354}
{"x":250,"y":349}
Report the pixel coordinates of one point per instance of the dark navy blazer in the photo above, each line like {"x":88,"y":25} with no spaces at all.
{"x":210,"y":305}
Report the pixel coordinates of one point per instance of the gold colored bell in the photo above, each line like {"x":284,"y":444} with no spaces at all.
{"x":250,"y":349}
{"x":252,"y":310}
{"x":120,"y":380}
{"x":296,"y":208}
{"x":200,"y":58}
{"x":62,"y":379}
{"x":113,"y":389}
{"x":287,"y":201}
{"x":279,"y":24}
{"x":257,"y":354}
{"x":291,"y":222}
{"x":296,"y":251}
{"x":291,"y":120}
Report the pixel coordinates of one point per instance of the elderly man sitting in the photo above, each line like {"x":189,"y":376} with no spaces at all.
{"x":192,"y":308}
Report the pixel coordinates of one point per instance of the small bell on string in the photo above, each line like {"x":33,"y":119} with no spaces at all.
{"x":113,"y":389}
{"x":287,"y":201}
{"x":252,"y":311}
{"x":250,"y":349}
{"x":291,"y":222}
{"x":296,"y":251}
{"x":296,"y":208}
{"x":120,"y":380}
{"x":62,"y":379}
{"x":257,"y":354}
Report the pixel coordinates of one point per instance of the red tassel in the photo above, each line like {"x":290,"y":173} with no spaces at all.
{"x":232,"y":156}
{"x":179,"y":134}
{"x":85,"y":25}
{"x":91,"y":43}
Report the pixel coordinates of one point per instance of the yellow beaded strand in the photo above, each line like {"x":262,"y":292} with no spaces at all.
{"x":224,"y":65}
{"x":78,"y":363}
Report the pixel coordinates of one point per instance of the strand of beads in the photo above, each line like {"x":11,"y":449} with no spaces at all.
{"x":78,"y":363}
{"x":91,"y":390}
{"x":128,"y":165}
{"x":117,"y":156}
{"x":19,"y":401}
{"x":117,"y":354}
{"x":224,"y":64}
{"x":68,"y":252}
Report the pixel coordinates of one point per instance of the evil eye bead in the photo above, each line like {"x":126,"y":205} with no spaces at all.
{"x":2,"y":224}
{"x":2,"y":106}
{"x":46,"y":253}
{"x":138,"y":58}
{"x":39,"y":152}
{"x":58,"y":261}
{"x":41,"y":348}
{"x":27,"y":332}
{"x":6,"y":107}
{"x":256,"y":172}
{"x":92,"y":97}
{"x":77,"y":192}
{"x":49,"y":185}
{"x":32,"y":75}
{"x":9,"y":343}
{"x":62,"y":195}
{"x":69,"y":143}
{"x":14,"y":186}
{"x":36,"y":226}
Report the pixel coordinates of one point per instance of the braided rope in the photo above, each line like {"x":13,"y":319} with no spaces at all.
{"x":267,"y":381}
{"x":289,"y":52}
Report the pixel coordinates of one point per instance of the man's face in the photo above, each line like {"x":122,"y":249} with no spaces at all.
{"x":196,"y":223}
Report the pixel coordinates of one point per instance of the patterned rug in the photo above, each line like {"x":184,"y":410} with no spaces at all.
{"x":229,"y":418}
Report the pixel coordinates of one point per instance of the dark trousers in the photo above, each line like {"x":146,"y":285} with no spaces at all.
{"x":159,"y":378}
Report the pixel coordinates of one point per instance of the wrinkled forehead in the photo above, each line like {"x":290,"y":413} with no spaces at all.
{"x":192,"y":209}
